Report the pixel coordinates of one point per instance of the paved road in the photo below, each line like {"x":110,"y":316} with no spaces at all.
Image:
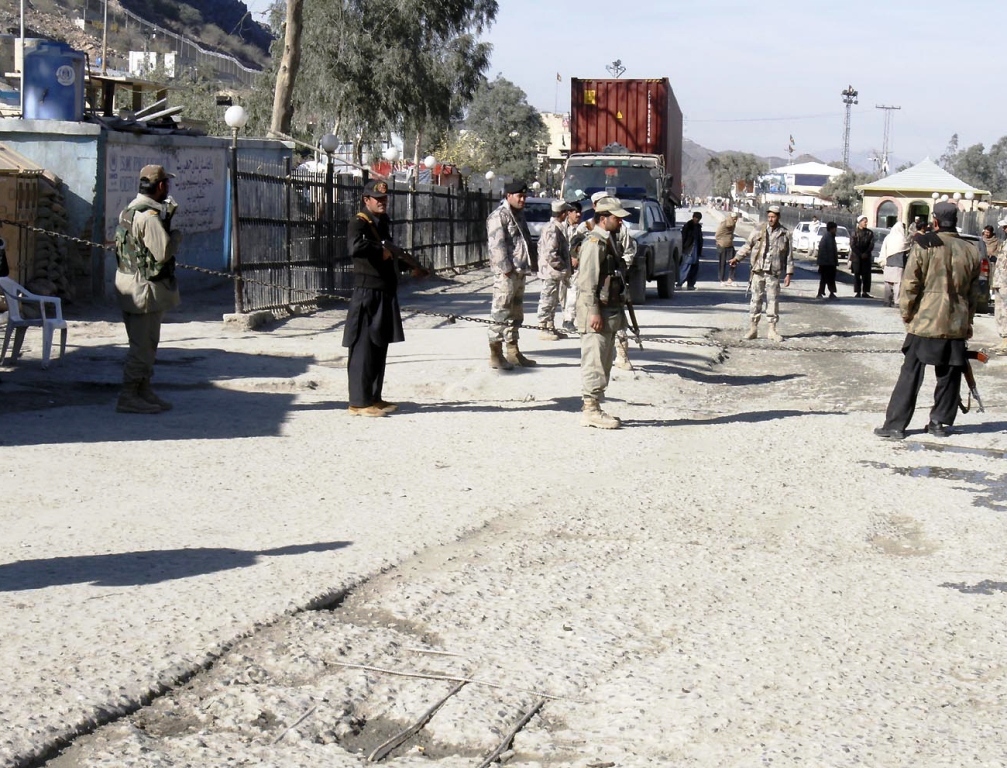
{"x":743,"y":573}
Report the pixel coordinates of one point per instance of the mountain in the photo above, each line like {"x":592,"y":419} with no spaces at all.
{"x":697,"y":178}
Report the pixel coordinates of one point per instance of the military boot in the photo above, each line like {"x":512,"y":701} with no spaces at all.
{"x":773,"y":334}
{"x":497,"y":359}
{"x":593,"y":416}
{"x":753,"y":331}
{"x":148,"y":394}
{"x":514,"y":356}
{"x":549,"y":333}
{"x":622,"y":354}
{"x":131,"y":402}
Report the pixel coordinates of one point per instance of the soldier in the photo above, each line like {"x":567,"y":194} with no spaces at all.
{"x":601,"y":287}
{"x":938,"y":299}
{"x":724,"y":238}
{"x":510,"y":255}
{"x":999,"y":286}
{"x":373,"y":320}
{"x":567,"y":289}
{"x":553,"y":269}
{"x":145,"y":283}
{"x":769,"y":247}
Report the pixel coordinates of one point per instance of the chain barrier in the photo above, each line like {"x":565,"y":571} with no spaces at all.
{"x":452,"y":318}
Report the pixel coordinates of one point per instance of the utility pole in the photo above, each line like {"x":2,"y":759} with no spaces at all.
{"x":849,"y":99}
{"x":888,"y":131}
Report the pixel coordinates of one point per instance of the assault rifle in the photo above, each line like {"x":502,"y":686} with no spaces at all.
{"x":634,"y":326}
{"x":970,"y":379}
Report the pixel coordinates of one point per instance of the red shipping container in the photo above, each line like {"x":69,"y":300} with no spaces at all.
{"x":641,"y":115}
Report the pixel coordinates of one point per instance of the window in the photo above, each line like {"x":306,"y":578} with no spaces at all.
{"x":888,"y":214}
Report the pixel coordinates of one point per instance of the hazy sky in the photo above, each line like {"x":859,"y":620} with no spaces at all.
{"x":748,"y":75}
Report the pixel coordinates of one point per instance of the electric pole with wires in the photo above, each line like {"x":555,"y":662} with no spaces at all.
{"x":849,"y":99}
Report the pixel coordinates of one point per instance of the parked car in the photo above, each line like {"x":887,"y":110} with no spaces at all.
{"x":659,"y":248}
{"x":800,"y":238}
{"x":880,"y":233}
{"x":537,"y":212}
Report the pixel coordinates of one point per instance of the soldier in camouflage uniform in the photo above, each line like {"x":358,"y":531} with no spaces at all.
{"x":567,"y":289}
{"x":601,"y":287}
{"x":999,"y":286}
{"x":511,"y":256}
{"x":769,"y":247}
{"x":553,"y":269}
{"x":145,"y":284}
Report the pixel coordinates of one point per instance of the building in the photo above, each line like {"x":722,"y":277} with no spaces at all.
{"x":910,"y":193}
{"x":552,"y":157}
{"x":797,"y":184}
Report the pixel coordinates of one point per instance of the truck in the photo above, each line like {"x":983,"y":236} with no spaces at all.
{"x":626,"y":139}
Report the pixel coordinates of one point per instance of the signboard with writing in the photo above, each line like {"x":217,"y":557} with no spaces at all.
{"x":199,"y":185}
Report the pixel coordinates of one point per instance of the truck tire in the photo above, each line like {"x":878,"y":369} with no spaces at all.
{"x":666,"y":286}
{"x":638,"y":285}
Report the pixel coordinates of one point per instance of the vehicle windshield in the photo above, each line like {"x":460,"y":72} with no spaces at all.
{"x":842,"y":232}
{"x":537,"y":212}
{"x":625,"y":179}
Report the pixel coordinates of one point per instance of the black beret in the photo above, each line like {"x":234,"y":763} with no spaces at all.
{"x":515,"y":187}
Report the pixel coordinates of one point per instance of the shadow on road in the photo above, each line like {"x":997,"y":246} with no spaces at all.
{"x":127,"y":569}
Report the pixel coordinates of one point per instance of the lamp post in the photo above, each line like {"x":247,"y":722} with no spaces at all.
{"x":236,"y":117}
{"x":430,"y":162}
{"x":329,"y":144}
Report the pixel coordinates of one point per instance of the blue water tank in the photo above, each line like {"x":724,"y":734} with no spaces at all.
{"x":53,"y":82}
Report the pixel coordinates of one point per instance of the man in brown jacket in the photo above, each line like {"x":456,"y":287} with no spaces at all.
{"x":724,"y":238}
{"x":940,"y":289}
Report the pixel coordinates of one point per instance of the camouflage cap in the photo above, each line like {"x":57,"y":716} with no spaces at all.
{"x":611,"y":205}
{"x":154,"y":173}
{"x":773,"y":209}
{"x":561,"y":206}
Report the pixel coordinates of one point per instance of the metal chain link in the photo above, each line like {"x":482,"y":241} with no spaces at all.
{"x":453,"y":318}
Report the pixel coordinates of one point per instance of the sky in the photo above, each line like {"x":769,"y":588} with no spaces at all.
{"x":748,"y":75}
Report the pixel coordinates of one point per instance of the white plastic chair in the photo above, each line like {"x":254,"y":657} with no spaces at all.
{"x":17,"y":296}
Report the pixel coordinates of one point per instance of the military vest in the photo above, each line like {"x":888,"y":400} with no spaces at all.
{"x":132,"y":254}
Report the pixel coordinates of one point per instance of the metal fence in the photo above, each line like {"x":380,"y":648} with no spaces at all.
{"x":293,"y":230}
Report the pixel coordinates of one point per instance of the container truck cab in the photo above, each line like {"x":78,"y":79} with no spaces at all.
{"x":620,"y":173}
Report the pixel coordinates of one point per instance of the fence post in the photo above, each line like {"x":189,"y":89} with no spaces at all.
{"x":330,"y":266}
{"x":288,"y":229}
{"x":452,"y":210}
{"x":411,"y":214}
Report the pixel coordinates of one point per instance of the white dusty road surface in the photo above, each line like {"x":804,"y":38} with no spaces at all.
{"x":743,"y":575}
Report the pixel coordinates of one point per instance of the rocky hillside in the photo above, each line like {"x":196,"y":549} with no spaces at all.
{"x":220,"y":25}
{"x":697,"y":178}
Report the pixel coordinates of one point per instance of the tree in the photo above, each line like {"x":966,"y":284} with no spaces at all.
{"x":946,"y":160}
{"x":842,"y":189}
{"x":370,"y":67}
{"x":286,"y":75}
{"x":730,"y":167}
{"x":511,"y":130}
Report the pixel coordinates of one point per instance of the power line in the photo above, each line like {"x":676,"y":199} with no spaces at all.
{"x":888,"y":130}
{"x":769,"y":119}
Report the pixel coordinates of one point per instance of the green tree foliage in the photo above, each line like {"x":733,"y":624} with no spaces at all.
{"x":369,"y":67}
{"x":841,"y":189}
{"x":976,"y":166}
{"x":510,"y":129}
{"x":729,"y":167}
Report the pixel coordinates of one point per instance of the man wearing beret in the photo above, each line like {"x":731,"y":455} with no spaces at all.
{"x":145,"y":283}
{"x":938,"y":299}
{"x":769,"y":247}
{"x":373,"y":320}
{"x":601,"y":298}
{"x":511,"y":257}
{"x":553,"y":269}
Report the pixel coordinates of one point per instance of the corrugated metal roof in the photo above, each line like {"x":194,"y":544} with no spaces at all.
{"x":925,"y":176}
{"x":15,"y":161}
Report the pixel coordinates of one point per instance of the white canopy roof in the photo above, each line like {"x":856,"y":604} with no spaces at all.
{"x":811,"y":169}
{"x":925,"y":176}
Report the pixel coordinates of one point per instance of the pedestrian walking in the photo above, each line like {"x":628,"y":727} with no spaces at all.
{"x":553,"y":269}
{"x":769,"y":248}
{"x":894,"y":252}
{"x":938,"y":303}
{"x":828,"y":262}
{"x":861,"y":254}
{"x":999,"y":286}
{"x":992,"y":243}
{"x":724,"y":238}
{"x":510,"y":257}
{"x":692,"y":251}
{"x":373,"y":320}
{"x":601,"y":286}
{"x":145,"y":248}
